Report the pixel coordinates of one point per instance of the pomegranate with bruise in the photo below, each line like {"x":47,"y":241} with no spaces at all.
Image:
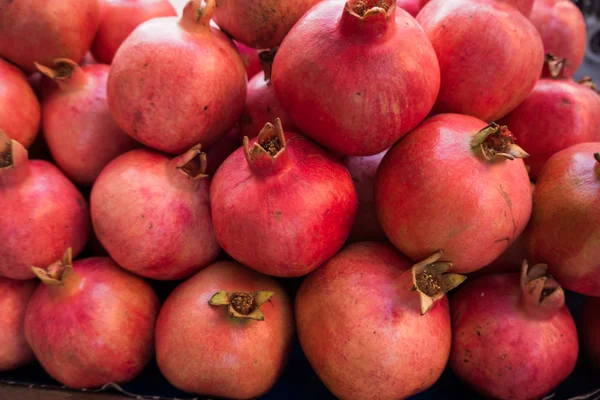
{"x":328,"y":75}
{"x":372,"y":327}
{"x":239,"y":328}
{"x":282,"y":188}
{"x":177,"y":82}
{"x":513,"y":336}
{"x":90,"y":323}
{"x":590,"y":328}
{"x":470,"y":196}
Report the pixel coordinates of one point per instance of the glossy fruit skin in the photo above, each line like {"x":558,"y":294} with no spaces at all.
{"x":524,"y":6}
{"x":362,"y":336}
{"x":563,"y":31}
{"x":80,"y":131}
{"x":500,"y":350}
{"x":344,"y":103}
{"x":19,"y":108}
{"x":41,"y":30}
{"x":170,"y":87}
{"x":95,"y":329}
{"x":249,"y":58}
{"x":556,"y":115}
{"x":14,"y":298}
{"x":307,"y":208}
{"x":590,"y":328}
{"x":260,"y":24}
{"x":418,"y":208}
{"x":151,"y":218}
{"x":502,"y":69}
{"x":566,"y":199}
{"x":120,"y":18}
{"x":200,"y":349}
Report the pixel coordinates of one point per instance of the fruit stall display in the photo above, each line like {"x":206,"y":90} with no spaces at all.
{"x":353,"y":199}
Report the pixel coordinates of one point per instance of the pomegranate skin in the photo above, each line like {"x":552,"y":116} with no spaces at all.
{"x":119,"y":19}
{"x":304,"y":200}
{"x":365,"y":338}
{"x":456,"y":201}
{"x":175,"y":83}
{"x":78,"y":127}
{"x":570,"y":114}
{"x":249,"y":58}
{"x":211,"y":353}
{"x":14,"y":298}
{"x":326,"y":76}
{"x":563,"y":30}
{"x":524,"y":6}
{"x":19,"y":108}
{"x":96,"y":328}
{"x":40,"y":30}
{"x":410,"y":6}
{"x":486,"y":90}
{"x":560,"y":234}
{"x":260,"y":24}
{"x":500,"y":350}
{"x":590,"y":328}
{"x":153,"y":219}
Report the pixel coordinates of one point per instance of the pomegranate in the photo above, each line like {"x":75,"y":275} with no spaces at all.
{"x":152,"y":213}
{"x":260,"y":24}
{"x":44,"y":211}
{"x":363,"y":171}
{"x":237,"y":352}
{"x":175,"y":83}
{"x":120,"y":18}
{"x":590,"y":328}
{"x":563,"y":31}
{"x":327,"y":75}
{"x":371,"y":326}
{"x":282,"y":189}
{"x":249,"y":58}
{"x":19,"y":108}
{"x":91,"y":323}
{"x":262,"y":105}
{"x":470,"y":195}
{"x":565,"y":203}
{"x":512,"y":336}
{"x":80,"y":131}
{"x":524,"y":6}
{"x":40,"y":31}
{"x":480,"y":87}
{"x":570,"y":115}
{"x":410,"y":6}
{"x":14,"y":298}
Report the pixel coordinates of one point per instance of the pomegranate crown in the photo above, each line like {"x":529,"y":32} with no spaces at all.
{"x":554,"y":66}
{"x":63,"y":69}
{"x":192,"y":163}
{"x":542,"y":294}
{"x":242,"y":305}
{"x":266,"y":61}
{"x":57,"y":271}
{"x":270,"y":143}
{"x":588,"y":82}
{"x":496,"y":142}
{"x":6,"y":153}
{"x":367,"y":8}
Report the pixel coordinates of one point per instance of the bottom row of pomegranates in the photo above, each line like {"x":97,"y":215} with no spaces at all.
{"x":372,"y":325}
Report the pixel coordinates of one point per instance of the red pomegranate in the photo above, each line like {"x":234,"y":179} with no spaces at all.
{"x":469,"y":196}
{"x":236,"y":331}
{"x":563,"y":30}
{"x":91,"y":323}
{"x":565,"y":202}
{"x":175,"y":83}
{"x":152,"y":214}
{"x":590,"y":328}
{"x":372,"y":327}
{"x":483,"y":78}
{"x":249,"y":58}
{"x":363,"y":171}
{"x":119,"y":18}
{"x":260,"y":24}
{"x":14,"y":298}
{"x":282,"y":189}
{"x":557,"y":114}
{"x":40,"y":30}
{"x":512,"y":336}
{"x":410,"y":6}
{"x":524,"y":6}
{"x":328,"y":75}
{"x":80,"y":131}
{"x":43,"y":212}
{"x":262,"y":105}
{"x":19,"y":108}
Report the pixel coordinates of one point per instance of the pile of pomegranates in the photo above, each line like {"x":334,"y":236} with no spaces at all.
{"x":246,"y":191}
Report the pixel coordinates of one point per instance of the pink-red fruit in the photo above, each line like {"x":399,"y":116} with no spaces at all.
{"x":328,"y":75}
{"x":249,"y":58}
{"x":524,"y":6}
{"x":225,"y":332}
{"x":282,"y":205}
{"x":177,"y":82}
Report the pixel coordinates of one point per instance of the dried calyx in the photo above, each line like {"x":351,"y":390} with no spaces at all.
{"x":63,"y":69}
{"x":497,"y":142}
{"x":193,"y":163}
{"x":597,"y":157}
{"x":242,"y":305}
{"x":266,"y":61}
{"x":588,"y":82}
{"x":554,"y":66}
{"x":270,"y":143}
{"x":197,"y":14}
{"x":57,"y":271}
{"x":430,"y":280}
{"x":363,"y":8}
{"x":541,"y":293}
{"x":6,"y":154}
